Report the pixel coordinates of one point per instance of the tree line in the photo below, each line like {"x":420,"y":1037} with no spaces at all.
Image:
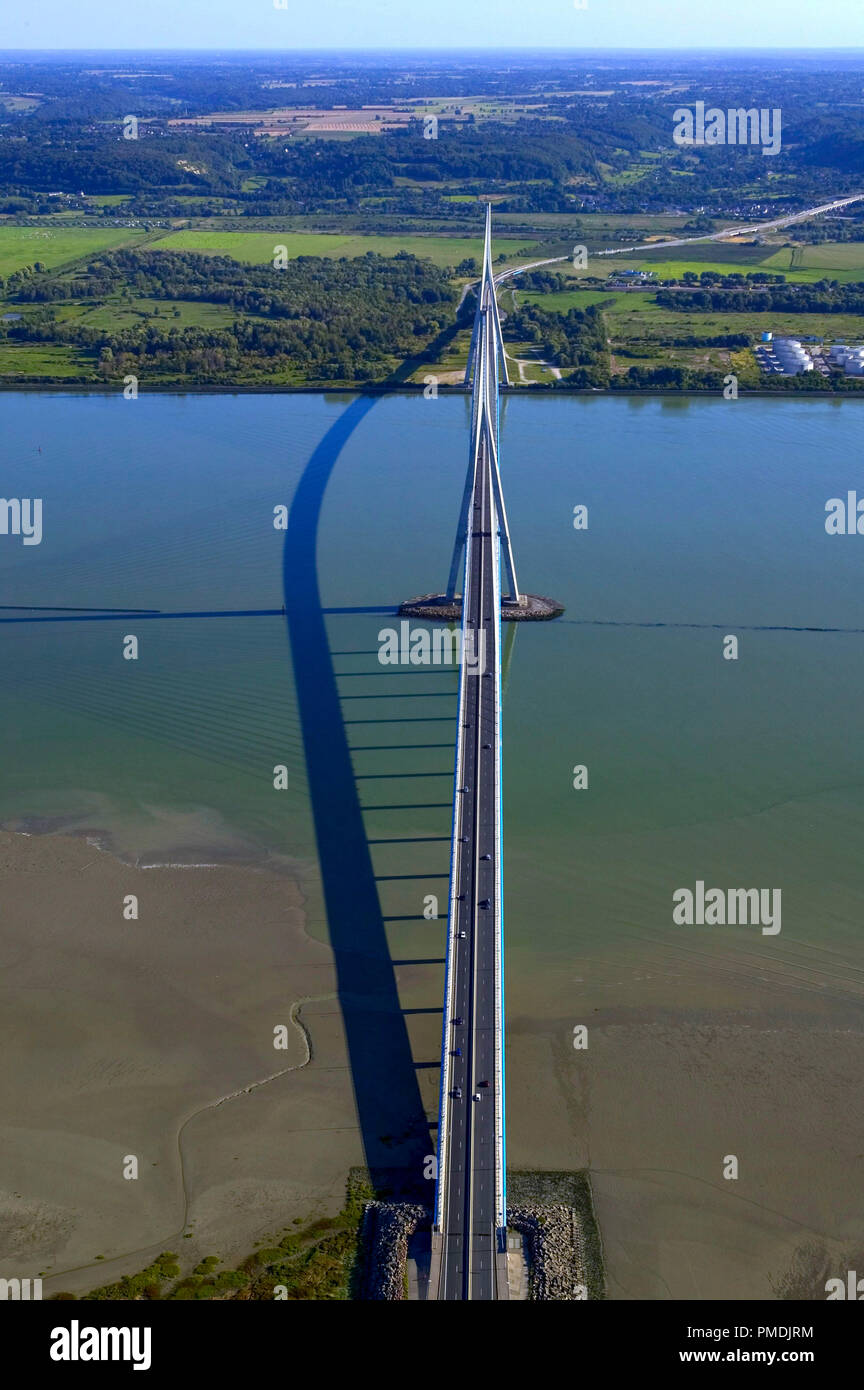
{"x":319,"y":318}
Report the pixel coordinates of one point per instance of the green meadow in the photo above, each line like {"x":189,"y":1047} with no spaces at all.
{"x":623,"y":301}
{"x":832,"y":260}
{"x":118,"y":314}
{"x":44,"y":360}
{"x":664,"y":323}
{"x":259,"y":247}
{"x":54,"y":246}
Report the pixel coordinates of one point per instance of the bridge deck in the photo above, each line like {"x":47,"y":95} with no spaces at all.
{"x":470,"y":1199}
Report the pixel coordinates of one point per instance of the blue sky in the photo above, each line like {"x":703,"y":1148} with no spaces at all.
{"x":437,"y":24}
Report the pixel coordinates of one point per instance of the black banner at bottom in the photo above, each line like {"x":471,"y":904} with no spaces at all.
{"x":84,"y":1338}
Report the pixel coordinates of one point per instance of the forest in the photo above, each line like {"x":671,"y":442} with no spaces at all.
{"x":821,"y":297}
{"x":320,"y":319}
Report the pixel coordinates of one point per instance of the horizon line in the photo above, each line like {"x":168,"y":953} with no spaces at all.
{"x":427,"y":49}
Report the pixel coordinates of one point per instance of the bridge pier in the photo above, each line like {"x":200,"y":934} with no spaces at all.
{"x":529,"y":608}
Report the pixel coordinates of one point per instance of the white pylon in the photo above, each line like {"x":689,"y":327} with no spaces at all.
{"x":486,"y":364}
{"x":486,"y":297}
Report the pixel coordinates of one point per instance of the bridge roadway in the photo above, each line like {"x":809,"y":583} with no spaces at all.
{"x":471,"y":1199}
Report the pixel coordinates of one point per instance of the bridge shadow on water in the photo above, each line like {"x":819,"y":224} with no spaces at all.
{"x":393,"y":1122}
{"x":395,"y":1129}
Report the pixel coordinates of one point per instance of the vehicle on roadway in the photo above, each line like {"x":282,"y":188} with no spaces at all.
{"x":457,"y":1093}
{"x":457,"y":1022}
{"x":461,"y":935}
{"x":485,"y":902}
{"x":476,"y":1096}
{"x":457,"y":1052}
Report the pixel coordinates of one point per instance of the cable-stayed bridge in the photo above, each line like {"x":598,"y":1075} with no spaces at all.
{"x":469,"y":1259}
{"x":469,"y":1228}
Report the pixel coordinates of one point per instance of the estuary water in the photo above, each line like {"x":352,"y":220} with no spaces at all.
{"x":706,"y":521}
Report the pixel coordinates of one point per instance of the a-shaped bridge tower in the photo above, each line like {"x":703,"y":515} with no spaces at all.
{"x":487,"y":366}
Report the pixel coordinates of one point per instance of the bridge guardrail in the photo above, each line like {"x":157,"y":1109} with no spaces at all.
{"x":444,"y":1099}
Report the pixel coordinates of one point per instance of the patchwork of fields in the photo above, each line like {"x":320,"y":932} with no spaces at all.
{"x":57,"y":245}
{"x":638,"y":329}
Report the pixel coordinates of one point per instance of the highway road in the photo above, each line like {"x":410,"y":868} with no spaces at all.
{"x":722,"y":235}
{"x":786,"y":221}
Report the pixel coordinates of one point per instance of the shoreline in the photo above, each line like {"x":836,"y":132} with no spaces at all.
{"x":155,"y":1037}
{"x":62,"y":388}
{"x":97,"y":837}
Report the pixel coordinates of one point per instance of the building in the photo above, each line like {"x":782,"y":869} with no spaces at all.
{"x":784,"y":355}
{"x":848,"y":357}
{"x":792,"y":357}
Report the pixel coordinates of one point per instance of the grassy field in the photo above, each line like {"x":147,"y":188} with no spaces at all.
{"x":616,"y":302}
{"x":597,"y":222}
{"x":838,"y":260}
{"x":664,"y":323}
{"x":450,"y":367}
{"x":21,"y":246}
{"x":258,"y":247}
{"x":534,"y":371}
{"x":43,"y":360}
{"x":116,"y":314}
{"x":666,"y":269}
{"x":700,"y":359}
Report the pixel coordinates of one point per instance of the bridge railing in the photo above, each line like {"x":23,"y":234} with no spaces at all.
{"x":458,"y":781}
{"x":500,"y":1096}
